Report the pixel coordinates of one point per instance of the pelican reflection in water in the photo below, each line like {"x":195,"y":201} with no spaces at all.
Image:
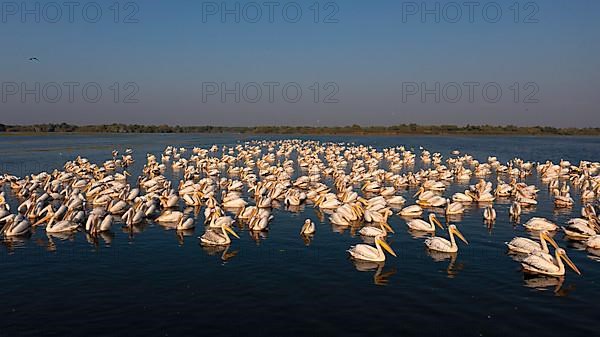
{"x":453,"y":268}
{"x":380,"y":277}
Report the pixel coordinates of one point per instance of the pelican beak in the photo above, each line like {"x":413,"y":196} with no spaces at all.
{"x":550,"y":239}
{"x":227,"y":228}
{"x":418,"y":192}
{"x":388,"y":227}
{"x":386,"y":247}
{"x":459,"y":234}
{"x":437,"y":222}
{"x":43,"y":220}
{"x":570,"y":263}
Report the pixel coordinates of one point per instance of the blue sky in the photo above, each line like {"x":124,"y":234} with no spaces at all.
{"x":376,"y":63}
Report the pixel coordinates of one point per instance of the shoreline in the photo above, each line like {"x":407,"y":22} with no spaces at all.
{"x":363,"y":134}
{"x":347,"y":130}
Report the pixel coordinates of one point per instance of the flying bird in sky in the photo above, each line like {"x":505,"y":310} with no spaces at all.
{"x":34,"y":59}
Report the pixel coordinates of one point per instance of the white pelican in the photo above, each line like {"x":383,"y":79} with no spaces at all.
{"x":372,"y":231}
{"x":260,"y":222}
{"x":246,"y":213}
{"x":461,"y":197}
{"x":581,"y":229}
{"x":235,"y":203}
{"x":15,"y":225}
{"x":454,"y":208}
{"x":412,"y":211}
{"x":185,"y":224}
{"x":539,"y":224}
{"x":563,"y":201}
{"x":587,"y":211}
{"x":214,"y":238}
{"x":369,"y":253}
{"x":61,"y":226}
{"x":308,"y":227}
{"x":97,"y":224}
{"x":423,"y":226}
{"x":528,"y":246}
{"x":538,"y":265}
{"x":396,"y":200}
{"x":593,"y":242}
{"x":170,"y":216}
{"x":221,"y":221}
{"x":489,"y":213}
{"x":515,"y":209}
{"x":442,"y":245}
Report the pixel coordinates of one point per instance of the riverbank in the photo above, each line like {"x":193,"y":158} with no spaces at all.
{"x":401,"y":129}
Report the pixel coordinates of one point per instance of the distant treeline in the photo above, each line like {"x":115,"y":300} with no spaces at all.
{"x":353,"y":129}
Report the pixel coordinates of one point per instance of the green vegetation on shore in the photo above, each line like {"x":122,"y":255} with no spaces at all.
{"x":353,"y":129}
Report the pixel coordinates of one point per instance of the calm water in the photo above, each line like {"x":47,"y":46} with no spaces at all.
{"x":156,"y":282}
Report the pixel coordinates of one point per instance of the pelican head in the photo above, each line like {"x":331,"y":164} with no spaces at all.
{"x":382,"y":243}
{"x":419,"y":192}
{"x":434,"y":219}
{"x":454,"y":230}
{"x":561,"y":253}
{"x":547,"y":237}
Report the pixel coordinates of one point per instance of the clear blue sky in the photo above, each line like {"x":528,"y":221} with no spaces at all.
{"x":374,"y":55}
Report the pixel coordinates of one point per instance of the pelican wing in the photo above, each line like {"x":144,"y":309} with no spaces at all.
{"x":364,"y":252}
{"x":418,"y":224}
{"x":537,"y":262}
{"x":213,"y":237}
{"x":370,"y":231}
{"x":437,"y":243}
{"x":523,"y":245}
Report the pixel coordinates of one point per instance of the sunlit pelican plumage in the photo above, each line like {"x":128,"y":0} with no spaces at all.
{"x":221,"y":221}
{"x":539,"y":224}
{"x":369,"y":253}
{"x":218,"y":237}
{"x":593,"y":242}
{"x":454,"y":208}
{"x":372,"y":231}
{"x":442,"y":245}
{"x":308,"y":227}
{"x":412,"y":211}
{"x":15,"y":225}
{"x":170,"y":216}
{"x":515,"y":209}
{"x":185,"y":224}
{"x":581,"y":229}
{"x":423,"y":226}
{"x":61,"y":226}
{"x":539,"y":265}
{"x":527,"y":246}
{"x":489,"y":213}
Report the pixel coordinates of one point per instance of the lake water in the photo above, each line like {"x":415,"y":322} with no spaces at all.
{"x":157,"y":282}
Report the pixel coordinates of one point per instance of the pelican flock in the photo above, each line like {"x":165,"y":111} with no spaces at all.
{"x":357,"y":186}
